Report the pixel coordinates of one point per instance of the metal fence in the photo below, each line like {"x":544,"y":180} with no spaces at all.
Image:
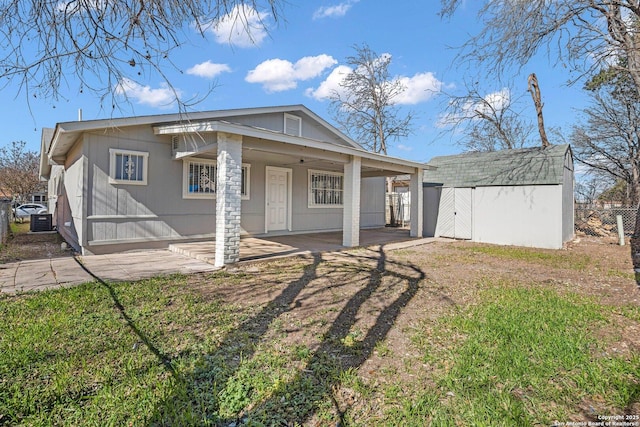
{"x":5,"y":220}
{"x":603,"y":222}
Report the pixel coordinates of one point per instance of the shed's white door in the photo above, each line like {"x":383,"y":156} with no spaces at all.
{"x":277,"y":199}
{"x":455,"y":213}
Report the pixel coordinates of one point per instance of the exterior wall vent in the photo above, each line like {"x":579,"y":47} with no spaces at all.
{"x":292,"y":125}
{"x":175,"y":144}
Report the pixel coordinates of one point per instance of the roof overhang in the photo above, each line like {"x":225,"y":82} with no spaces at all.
{"x":65,"y":135}
{"x":373,"y":161}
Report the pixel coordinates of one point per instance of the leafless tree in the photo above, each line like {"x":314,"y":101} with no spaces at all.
{"x":102,"y":42}
{"x":589,"y":189}
{"x":364,"y":106}
{"x":609,"y":139}
{"x":486,"y":122}
{"x":585,"y":36}
{"x":19,"y":170}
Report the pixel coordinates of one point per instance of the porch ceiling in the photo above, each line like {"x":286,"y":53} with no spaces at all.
{"x":296,"y":148}
{"x":285,"y":155}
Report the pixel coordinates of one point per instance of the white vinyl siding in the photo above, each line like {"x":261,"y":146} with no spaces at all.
{"x":292,"y":125}
{"x":326,"y":189}
{"x":128,"y":167}
{"x":199,"y":179}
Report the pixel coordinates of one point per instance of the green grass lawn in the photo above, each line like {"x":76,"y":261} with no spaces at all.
{"x":176,"y":351}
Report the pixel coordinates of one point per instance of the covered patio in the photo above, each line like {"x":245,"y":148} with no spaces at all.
{"x":236,"y":147}
{"x":263,"y":248}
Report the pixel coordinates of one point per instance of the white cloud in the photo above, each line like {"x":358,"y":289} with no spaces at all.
{"x":277,"y":75}
{"x":330,"y":85}
{"x":496,"y":100}
{"x":71,"y":7}
{"x":162,"y":97}
{"x":335,"y":11}
{"x":243,"y":27}
{"x":403,"y":147}
{"x":208,"y":69}
{"x":419,"y":88}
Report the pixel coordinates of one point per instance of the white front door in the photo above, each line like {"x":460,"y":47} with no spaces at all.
{"x":277,"y":199}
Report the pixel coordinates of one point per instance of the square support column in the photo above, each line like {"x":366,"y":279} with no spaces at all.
{"x":417,"y":196}
{"x":351,"y":203}
{"x":228,"y":199}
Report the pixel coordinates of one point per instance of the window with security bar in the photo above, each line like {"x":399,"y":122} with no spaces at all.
{"x":128,"y":167}
{"x":199,"y":180}
{"x":326,"y":189}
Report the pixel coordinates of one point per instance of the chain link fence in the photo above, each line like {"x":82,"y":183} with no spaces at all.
{"x":603,"y":222}
{"x":5,"y":220}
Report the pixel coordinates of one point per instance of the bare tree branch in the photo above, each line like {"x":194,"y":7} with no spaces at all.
{"x":609,"y":140}
{"x":364,"y":107}
{"x":19,"y":170}
{"x":102,"y":42}
{"x":486,"y":122}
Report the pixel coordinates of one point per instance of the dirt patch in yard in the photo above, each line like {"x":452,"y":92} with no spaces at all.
{"x":364,"y":307}
{"x":23,"y":245}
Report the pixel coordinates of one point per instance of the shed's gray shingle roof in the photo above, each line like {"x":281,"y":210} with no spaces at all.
{"x":526,"y":166}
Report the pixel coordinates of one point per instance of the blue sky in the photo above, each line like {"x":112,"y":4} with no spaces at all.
{"x":299,"y":59}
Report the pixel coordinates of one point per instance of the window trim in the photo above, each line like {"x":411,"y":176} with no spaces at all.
{"x":310,"y":198}
{"x":211,"y":196}
{"x":292,"y":117}
{"x":113,"y":152}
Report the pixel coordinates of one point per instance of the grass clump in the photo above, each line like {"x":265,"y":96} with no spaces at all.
{"x":547,"y":258}
{"x":522,"y":357}
{"x":71,"y":357}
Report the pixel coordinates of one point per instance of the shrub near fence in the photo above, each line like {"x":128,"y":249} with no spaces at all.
{"x":5,"y":220}
{"x":603,"y":222}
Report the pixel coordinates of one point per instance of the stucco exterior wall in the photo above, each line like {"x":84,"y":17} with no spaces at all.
{"x":519,"y":215}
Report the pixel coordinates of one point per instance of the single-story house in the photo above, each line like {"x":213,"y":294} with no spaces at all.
{"x":521,"y":197}
{"x":145,"y":182}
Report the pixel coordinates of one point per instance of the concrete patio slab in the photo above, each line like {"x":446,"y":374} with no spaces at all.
{"x":261,"y":248}
{"x":186,"y":258}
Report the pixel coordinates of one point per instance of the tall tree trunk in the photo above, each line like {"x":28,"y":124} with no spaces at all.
{"x":633,"y":189}
{"x":534,"y":88}
{"x":631,"y":43}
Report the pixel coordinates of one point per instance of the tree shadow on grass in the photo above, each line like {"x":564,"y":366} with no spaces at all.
{"x":383,"y":290}
{"x":162,"y":358}
{"x":195,"y":397}
{"x":298,"y":400}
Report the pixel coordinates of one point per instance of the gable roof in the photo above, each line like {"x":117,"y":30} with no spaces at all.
{"x":65,"y":133}
{"x":57,"y":142}
{"x":526,"y":166}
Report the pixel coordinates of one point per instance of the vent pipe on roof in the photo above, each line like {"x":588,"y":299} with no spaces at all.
{"x":79,"y":114}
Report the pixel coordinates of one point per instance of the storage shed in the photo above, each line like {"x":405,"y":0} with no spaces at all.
{"x":520,"y":197}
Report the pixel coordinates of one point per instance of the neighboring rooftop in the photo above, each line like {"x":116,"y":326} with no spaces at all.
{"x":526,"y":166}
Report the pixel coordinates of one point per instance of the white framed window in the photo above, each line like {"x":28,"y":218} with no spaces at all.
{"x":128,"y":167}
{"x":199,"y":179}
{"x":292,"y":125}
{"x":326,"y":189}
